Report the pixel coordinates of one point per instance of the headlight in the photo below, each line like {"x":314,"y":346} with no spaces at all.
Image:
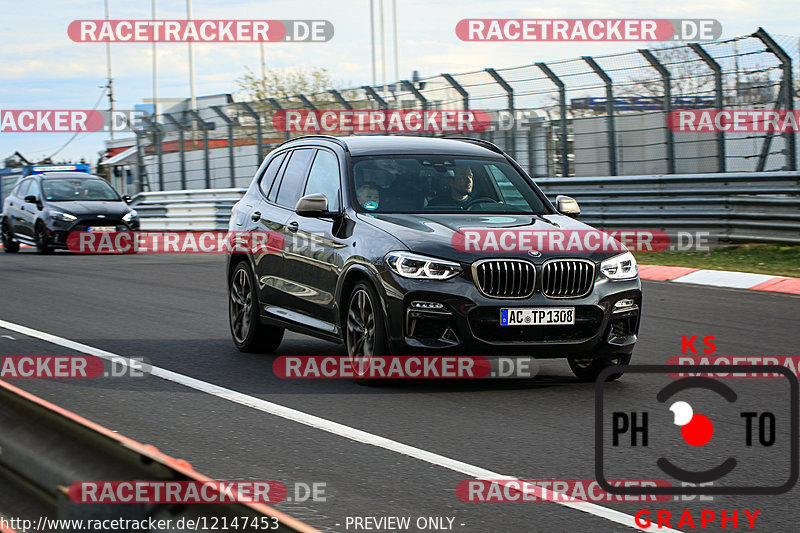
{"x":416,"y":266}
{"x":621,"y":266}
{"x":130,"y":216}
{"x":63,"y":217}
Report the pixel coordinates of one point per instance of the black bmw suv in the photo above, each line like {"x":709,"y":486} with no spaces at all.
{"x":43,"y":209}
{"x":371,"y":257}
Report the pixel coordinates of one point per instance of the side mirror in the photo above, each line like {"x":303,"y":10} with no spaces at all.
{"x":566,"y":205}
{"x":126,"y":198}
{"x":31,"y":199}
{"x":313,"y":206}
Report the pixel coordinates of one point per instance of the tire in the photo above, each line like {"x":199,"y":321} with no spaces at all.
{"x":588,"y":369}
{"x":365,"y":332}
{"x":10,"y":246}
{"x":248,"y":333}
{"x":42,"y":241}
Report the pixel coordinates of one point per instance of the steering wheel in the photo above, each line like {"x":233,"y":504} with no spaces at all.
{"x":476,"y":201}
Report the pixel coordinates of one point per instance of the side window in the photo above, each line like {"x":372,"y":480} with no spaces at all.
{"x":324,"y":178}
{"x":22,"y":190}
{"x":268,"y":177}
{"x":34,"y":190}
{"x":294,"y":177}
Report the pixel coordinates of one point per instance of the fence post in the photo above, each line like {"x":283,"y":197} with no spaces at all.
{"x":718,"y":99}
{"x":204,"y":126}
{"x":306,"y":102}
{"x":612,"y":132}
{"x":230,"y":123}
{"x":418,"y":95}
{"x":788,"y":90}
{"x":249,"y":111}
{"x":339,"y":98}
{"x":562,"y":111}
{"x":510,"y":139}
{"x":277,"y":107}
{"x":375,"y":96}
{"x":179,"y":124}
{"x":666,"y":77}
{"x":158,"y":138}
{"x":459,"y":89}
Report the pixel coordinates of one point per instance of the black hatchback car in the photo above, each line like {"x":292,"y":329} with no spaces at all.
{"x":369,"y":260}
{"x":43,"y":209}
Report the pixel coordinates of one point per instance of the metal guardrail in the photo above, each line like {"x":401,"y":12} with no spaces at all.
{"x":201,"y":209}
{"x":735,"y":207}
{"x":44,"y":449}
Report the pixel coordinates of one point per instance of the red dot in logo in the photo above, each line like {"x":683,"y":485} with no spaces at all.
{"x":698,"y":431}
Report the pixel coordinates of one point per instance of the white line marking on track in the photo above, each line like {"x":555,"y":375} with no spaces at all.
{"x":336,"y":428}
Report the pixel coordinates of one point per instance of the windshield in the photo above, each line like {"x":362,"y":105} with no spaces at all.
{"x":77,"y":189}
{"x":441,"y":184}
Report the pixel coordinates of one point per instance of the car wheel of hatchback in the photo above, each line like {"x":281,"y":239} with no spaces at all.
{"x":10,"y":246}
{"x":589,"y":369}
{"x":365,"y":335}
{"x":42,"y":240}
{"x":249,"y":334}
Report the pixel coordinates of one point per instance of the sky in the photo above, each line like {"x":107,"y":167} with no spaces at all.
{"x":41,"y":68}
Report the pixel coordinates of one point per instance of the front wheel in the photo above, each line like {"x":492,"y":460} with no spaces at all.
{"x":249,"y":334}
{"x":589,"y":369}
{"x":10,"y":246}
{"x":365,"y":335}
{"x":42,"y":240}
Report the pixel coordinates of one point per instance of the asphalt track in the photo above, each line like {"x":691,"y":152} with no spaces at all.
{"x":171,"y":311}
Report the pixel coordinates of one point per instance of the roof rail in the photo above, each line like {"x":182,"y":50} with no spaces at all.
{"x":330,"y":138}
{"x":480,"y":142}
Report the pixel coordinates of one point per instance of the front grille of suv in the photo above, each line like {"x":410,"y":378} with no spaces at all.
{"x":567,"y":278}
{"x":504,"y":278}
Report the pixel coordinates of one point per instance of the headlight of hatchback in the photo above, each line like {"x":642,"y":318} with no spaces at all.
{"x":622,"y":266}
{"x":415,"y":266}
{"x":130,"y":216}
{"x":63,"y":217}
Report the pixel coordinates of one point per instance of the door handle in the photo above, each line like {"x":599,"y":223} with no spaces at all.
{"x":255,"y":217}
{"x":293,"y":226}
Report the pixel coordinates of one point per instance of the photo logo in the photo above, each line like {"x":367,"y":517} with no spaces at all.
{"x":743,"y":440}
{"x":734,"y":120}
{"x":199,"y":31}
{"x":588,"y":29}
{"x":391,"y":121}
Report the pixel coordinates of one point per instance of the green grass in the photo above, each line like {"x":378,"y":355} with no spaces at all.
{"x":777,"y":260}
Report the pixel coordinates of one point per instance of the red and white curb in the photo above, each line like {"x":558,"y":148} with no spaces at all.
{"x":721,"y":278}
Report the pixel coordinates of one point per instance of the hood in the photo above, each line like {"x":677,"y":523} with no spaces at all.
{"x":114,"y":210}
{"x":432,"y":234}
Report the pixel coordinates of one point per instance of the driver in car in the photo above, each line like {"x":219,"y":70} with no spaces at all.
{"x":459,"y":191}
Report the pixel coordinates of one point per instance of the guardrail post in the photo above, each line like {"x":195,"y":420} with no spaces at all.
{"x":562,"y":107}
{"x":230,"y":123}
{"x":666,"y":77}
{"x":418,"y":95}
{"x":375,"y":96}
{"x":459,"y":89}
{"x":339,"y":98}
{"x":204,"y":126}
{"x":259,"y":139}
{"x":718,"y":99}
{"x":612,"y":132}
{"x":787,"y":87}
{"x":277,"y":107}
{"x":181,"y":127}
{"x":510,"y":139}
{"x":158,"y":138}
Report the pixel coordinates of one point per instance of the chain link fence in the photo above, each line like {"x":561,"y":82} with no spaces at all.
{"x":588,"y":116}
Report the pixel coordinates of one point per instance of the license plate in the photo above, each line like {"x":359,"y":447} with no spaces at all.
{"x":101,"y":228}
{"x":537,"y":316}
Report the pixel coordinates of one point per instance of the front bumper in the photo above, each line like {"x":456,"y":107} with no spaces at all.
{"x":453,"y":316}
{"x":58,"y":231}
